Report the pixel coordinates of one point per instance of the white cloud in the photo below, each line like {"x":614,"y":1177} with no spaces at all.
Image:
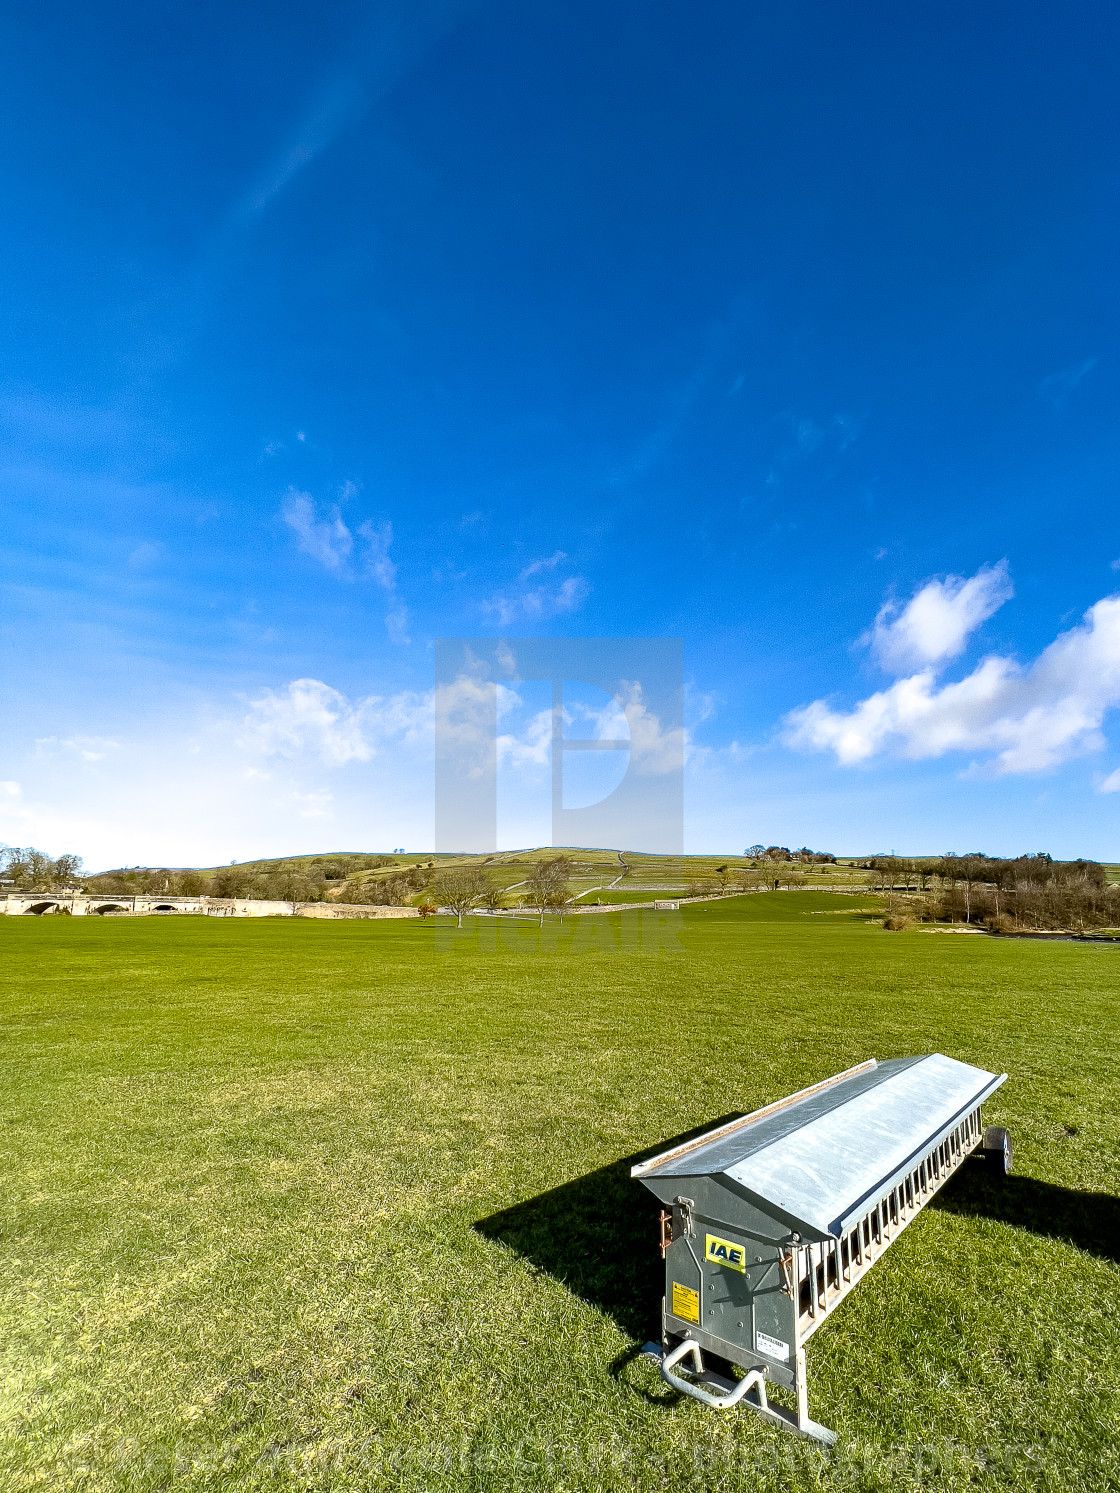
{"x":327,"y":539}
{"x":1111,"y":784}
{"x":85,"y":748}
{"x":292,"y":771}
{"x":654,"y":749}
{"x":317,"y":804}
{"x":935,"y":624}
{"x":310,"y":718}
{"x":540,"y":601}
{"x":25,"y":821}
{"x":1031,"y":717}
{"x":532,"y":746}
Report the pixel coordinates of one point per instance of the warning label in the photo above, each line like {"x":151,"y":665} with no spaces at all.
{"x":686,"y":1304}
{"x":773,"y":1347}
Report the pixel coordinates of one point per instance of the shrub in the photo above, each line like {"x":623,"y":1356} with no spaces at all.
{"x":1001,"y":923}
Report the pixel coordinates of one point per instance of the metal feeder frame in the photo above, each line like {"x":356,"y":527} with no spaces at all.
{"x":775,"y":1217}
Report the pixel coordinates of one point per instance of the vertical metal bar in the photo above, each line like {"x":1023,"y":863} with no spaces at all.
{"x":802,"y":1390}
{"x":811,"y":1281}
{"x":824,"y":1280}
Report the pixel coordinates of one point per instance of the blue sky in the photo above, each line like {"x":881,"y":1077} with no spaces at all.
{"x":330,"y":330}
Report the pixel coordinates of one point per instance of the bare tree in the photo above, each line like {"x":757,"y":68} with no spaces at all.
{"x":494,"y":897}
{"x":548,"y":886}
{"x":459,"y":889}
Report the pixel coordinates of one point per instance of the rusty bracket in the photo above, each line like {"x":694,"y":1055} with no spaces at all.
{"x":785,"y":1261}
{"x":666,"y":1231}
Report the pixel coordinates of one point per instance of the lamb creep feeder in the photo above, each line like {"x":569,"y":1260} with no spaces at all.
{"x":776,"y":1216}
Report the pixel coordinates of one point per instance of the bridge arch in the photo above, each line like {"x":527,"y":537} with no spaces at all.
{"x":37,"y":909}
{"x":108,"y":907}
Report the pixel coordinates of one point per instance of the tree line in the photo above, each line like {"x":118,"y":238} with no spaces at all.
{"x":1030,"y":892}
{"x":30,"y":870}
{"x":806,"y":856}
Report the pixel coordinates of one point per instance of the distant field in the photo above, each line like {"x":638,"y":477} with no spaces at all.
{"x":302,"y":1205}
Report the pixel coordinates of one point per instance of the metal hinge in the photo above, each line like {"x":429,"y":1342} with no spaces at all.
{"x":684,"y":1207}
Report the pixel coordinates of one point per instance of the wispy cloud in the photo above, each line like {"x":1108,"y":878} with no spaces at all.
{"x":389,"y":41}
{"x":396,"y":625}
{"x":936,"y":623}
{"x":339,"y":102}
{"x":538,"y":602}
{"x":1060,"y":387}
{"x":1030,"y":717}
{"x":536,"y":566}
{"x":85,"y":748}
{"x":146,"y":553}
{"x":325,"y":538}
{"x":377,"y":538}
{"x":379,"y":567}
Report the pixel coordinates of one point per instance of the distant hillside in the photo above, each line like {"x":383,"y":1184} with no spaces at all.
{"x":358,"y":877}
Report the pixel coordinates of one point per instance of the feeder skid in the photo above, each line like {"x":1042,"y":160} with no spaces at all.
{"x":776,"y":1216}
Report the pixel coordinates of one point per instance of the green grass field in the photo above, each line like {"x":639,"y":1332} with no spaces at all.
{"x":302,"y":1205}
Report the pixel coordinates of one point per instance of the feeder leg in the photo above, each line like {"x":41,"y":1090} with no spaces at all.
{"x":805,"y":1425}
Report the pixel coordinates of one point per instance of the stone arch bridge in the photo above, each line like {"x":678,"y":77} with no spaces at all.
{"x":82,"y":904}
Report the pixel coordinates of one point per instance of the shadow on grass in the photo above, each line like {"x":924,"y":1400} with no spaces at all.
{"x":598,"y":1236}
{"x":1087,"y":1220}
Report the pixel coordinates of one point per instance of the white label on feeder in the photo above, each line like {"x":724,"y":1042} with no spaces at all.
{"x":773,"y":1347}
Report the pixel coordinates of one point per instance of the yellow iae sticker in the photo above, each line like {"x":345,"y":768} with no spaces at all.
{"x":722,"y":1252}
{"x":686,"y":1303}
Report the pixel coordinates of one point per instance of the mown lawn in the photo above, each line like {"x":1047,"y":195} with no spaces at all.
{"x":303,"y":1205}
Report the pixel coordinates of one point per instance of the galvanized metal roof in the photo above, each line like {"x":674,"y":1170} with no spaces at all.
{"x":817,"y":1156}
